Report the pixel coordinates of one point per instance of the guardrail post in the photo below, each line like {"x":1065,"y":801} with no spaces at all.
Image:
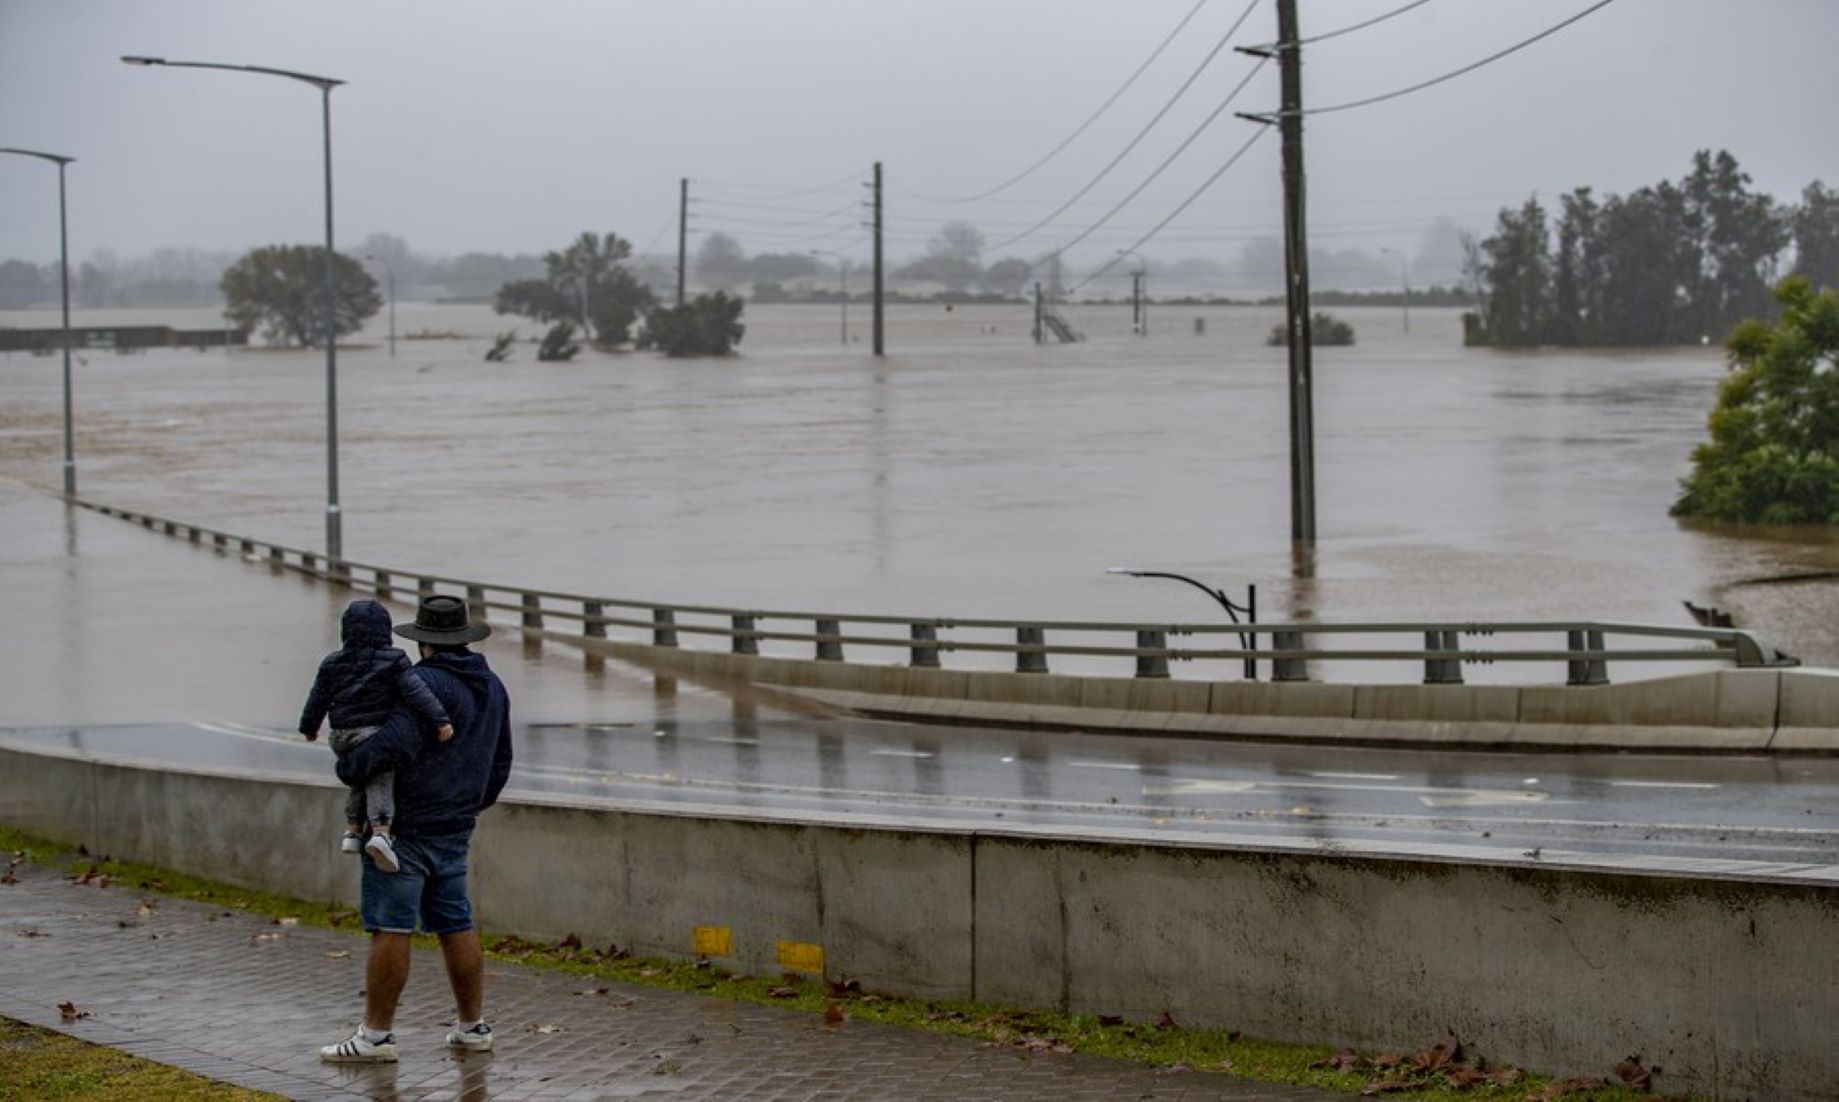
{"x":592,"y":624}
{"x":275,"y":558}
{"x":380,"y":585}
{"x":533,"y":612}
{"x":925,"y":646}
{"x":1442,"y":671}
{"x":424,"y":588}
{"x":1586,"y":671}
{"x":192,"y":534}
{"x":146,"y":522}
{"x":663,"y":627}
{"x":745,"y":641}
{"x":308,"y":562}
{"x":1152,"y":665}
{"x":1288,"y":669}
{"x":247,"y":547}
{"x":475,"y":603}
{"x":219,"y":540}
{"x":1030,"y":660}
{"x":829,"y":650}
{"x":171,"y":528}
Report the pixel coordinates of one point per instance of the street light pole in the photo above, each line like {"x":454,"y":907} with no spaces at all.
{"x":335,"y":551}
{"x":1405,"y":267}
{"x":842,"y":263}
{"x":1248,"y":640}
{"x":63,"y":252}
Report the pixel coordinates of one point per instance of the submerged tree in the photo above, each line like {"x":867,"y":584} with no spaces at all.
{"x":1773,"y":456}
{"x":282,"y":289}
{"x":585,"y":285}
{"x":707,"y":325}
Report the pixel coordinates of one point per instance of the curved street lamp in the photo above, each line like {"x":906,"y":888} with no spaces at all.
{"x":335,"y":551}
{"x":63,"y":249}
{"x":1247,"y":640}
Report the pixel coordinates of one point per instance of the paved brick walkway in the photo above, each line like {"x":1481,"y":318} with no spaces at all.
{"x":238,"y":999}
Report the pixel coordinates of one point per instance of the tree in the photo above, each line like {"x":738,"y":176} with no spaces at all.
{"x":954,"y":257}
{"x":584,"y":285}
{"x":1816,"y":235}
{"x":1518,"y":271}
{"x":282,"y":289}
{"x":707,"y":325}
{"x":721,"y":263}
{"x":23,"y":284}
{"x":1736,"y":235}
{"x":1007,"y":276}
{"x":1577,"y":278}
{"x":558,"y":344}
{"x":782,"y":267}
{"x":1773,"y":456}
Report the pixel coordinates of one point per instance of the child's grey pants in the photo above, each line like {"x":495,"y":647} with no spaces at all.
{"x":379,"y":795}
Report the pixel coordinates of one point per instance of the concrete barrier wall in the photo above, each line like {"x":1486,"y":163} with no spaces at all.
{"x":1733,"y":711}
{"x":1731,"y":986}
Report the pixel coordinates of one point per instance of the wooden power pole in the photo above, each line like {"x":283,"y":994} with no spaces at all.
{"x":683,"y":233}
{"x":880,"y":330}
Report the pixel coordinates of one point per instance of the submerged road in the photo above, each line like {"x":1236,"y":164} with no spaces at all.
{"x":1760,"y":817}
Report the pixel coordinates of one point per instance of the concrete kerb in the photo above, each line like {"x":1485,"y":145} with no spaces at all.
{"x":1719,"y":711}
{"x":1731,"y":985}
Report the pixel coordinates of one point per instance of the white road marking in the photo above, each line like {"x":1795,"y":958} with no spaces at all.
{"x":1125,"y":765}
{"x":1661,"y":784}
{"x":1485,"y":798}
{"x":1358,"y":776}
{"x":903,"y":753}
{"x":728,"y":741}
{"x":266,"y":734}
{"x":1431,"y":797}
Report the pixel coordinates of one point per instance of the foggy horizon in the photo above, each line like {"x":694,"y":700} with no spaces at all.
{"x":456,"y":141}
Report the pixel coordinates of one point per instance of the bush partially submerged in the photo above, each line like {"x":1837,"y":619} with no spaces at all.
{"x":708,"y":325}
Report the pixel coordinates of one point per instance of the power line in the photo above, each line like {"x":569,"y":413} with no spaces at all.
{"x":781,"y":192}
{"x":1145,"y":239}
{"x":1083,"y":127}
{"x":1489,"y":60}
{"x":1377,"y":19}
{"x":1144,"y":133}
{"x":1161,"y":168}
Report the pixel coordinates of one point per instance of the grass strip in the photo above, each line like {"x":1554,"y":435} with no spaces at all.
{"x":47,"y":1066}
{"x":1440,"y":1073}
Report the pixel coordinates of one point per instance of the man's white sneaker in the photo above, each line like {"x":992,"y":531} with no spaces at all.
{"x":356,"y":1050}
{"x":476,"y":1039}
{"x":351,"y":843}
{"x":382,"y":853}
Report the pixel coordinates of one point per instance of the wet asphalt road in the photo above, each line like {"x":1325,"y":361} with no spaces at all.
{"x":1741,"y":816}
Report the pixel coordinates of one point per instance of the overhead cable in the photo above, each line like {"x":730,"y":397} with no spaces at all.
{"x":1143,"y":133}
{"x":1419,"y":87}
{"x":1152,"y":177}
{"x":1082,"y":128}
{"x":1361,"y":26}
{"x":1185,"y":203}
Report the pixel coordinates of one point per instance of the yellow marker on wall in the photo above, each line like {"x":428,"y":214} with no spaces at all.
{"x":712,"y":941}
{"x":801,"y":956}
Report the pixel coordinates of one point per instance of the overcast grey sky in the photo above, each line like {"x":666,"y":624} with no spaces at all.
{"x":509,"y":127}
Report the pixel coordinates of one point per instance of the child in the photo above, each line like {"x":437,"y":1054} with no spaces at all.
{"x":359,"y":684}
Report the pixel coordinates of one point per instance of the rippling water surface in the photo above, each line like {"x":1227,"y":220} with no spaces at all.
{"x":968,"y":473}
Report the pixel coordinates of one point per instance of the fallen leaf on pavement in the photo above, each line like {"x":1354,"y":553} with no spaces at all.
{"x":1345,"y":1060}
{"x":338,"y":954}
{"x":289,"y":921}
{"x":833,"y":1014}
{"x":548,"y":1028}
{"x":602,"y":991}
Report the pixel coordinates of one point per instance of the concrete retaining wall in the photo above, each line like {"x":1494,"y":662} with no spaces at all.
{"x":1732,"y":711}
{"x":1731,"y":986}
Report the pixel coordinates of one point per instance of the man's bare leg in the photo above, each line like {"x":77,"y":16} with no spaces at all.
{"x":465,"y":972}
{"x":386,"y":972}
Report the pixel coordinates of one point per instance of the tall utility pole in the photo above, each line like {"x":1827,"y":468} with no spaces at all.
{"x":880,"y":331}
{"x":1289,"y":120}
{"x":1296,"y":282}
{"x":683,"y":233}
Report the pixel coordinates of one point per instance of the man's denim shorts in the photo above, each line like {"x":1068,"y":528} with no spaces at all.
{"x":430,"y":888}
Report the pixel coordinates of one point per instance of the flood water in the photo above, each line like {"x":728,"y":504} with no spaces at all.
{"x":969,"y":473}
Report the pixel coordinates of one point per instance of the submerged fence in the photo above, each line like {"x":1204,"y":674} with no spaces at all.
{"x":1285,"y":650}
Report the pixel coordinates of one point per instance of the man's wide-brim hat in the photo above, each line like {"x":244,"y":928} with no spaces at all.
{"x":443,"y":620}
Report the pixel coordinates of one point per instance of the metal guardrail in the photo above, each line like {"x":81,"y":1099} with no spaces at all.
{"x":1585,"y":652}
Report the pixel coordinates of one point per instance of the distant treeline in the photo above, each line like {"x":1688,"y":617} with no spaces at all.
{"x":1673,"y":263}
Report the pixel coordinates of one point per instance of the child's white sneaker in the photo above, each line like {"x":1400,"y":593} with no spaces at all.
{"x":382,"y":853}
{"x":355,"y":1049}
{"x":351,"y":843}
